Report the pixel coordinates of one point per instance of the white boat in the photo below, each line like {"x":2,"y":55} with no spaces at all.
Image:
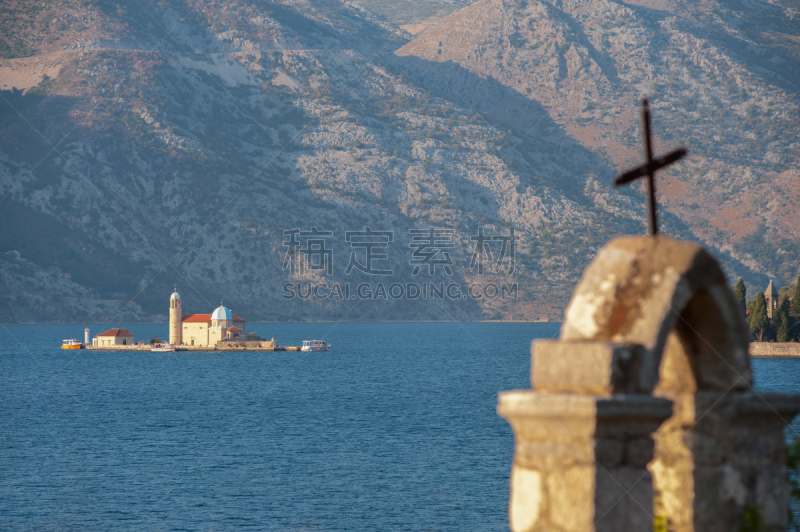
{"x":162,"y":347}
{"x":314,"y":345}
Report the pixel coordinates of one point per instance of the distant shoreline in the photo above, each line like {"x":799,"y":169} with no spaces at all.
{"x":84,"y":323}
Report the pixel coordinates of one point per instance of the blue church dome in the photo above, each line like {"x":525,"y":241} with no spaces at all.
{"x":222,"y":313}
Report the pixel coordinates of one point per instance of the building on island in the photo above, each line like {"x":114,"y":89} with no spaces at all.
{"x":771,"y":297}
{"x":208,"y":329}
{"x":113,"y":337}
{"x":205,"y":330}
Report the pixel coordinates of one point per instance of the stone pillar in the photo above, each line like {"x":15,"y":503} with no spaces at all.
{"x":582,"y":447}
{"x":644,"y":412}
{"x":581,"y":462}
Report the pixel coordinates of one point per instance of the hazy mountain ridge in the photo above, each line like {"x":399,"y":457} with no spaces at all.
{"x":731,"y":98}
{"x":184,"y":157}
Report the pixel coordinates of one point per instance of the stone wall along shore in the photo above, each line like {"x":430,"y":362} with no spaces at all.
{"x":775,"y":349}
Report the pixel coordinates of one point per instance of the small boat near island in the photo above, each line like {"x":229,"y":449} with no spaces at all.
{"x":72,"y":343}
{"x":314,"y":345}
{"x":162,"y":347}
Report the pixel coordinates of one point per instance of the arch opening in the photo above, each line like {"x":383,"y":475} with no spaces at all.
{"x":700,"y":365}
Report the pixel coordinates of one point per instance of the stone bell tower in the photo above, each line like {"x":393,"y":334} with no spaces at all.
{"x":175,"y":315}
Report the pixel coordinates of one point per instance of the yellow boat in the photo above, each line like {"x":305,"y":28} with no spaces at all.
{"x":71,"y":344}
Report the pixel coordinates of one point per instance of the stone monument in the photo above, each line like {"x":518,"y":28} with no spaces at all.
{"x":642,"y":415}
{"x":643,"y":410}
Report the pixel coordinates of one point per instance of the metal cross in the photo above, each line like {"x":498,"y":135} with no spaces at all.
{"x":649,"y":168}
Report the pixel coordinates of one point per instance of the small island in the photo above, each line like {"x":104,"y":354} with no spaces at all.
{"x":221,"y":330}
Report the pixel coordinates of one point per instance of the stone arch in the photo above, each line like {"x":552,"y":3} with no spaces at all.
{"x":646,"y":398}
{"x":673,"y":299}
{"x":660,"y":292}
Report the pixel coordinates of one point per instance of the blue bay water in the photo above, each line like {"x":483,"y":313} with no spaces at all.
{"x":394,"y":429}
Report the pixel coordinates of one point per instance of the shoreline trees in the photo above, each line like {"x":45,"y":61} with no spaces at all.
{"x":759,"y":323}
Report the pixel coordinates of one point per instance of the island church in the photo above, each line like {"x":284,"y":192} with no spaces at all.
{"x":202,"y":329}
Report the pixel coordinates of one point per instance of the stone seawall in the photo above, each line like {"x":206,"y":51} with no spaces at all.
{"x":775,"y":349}
{"x":193,"y":348}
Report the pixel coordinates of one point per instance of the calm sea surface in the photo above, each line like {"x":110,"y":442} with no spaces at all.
{"x":394,"y":429}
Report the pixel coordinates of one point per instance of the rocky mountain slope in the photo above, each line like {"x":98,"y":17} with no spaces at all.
{"x":723,"y":78}
{"x":150,"y":143}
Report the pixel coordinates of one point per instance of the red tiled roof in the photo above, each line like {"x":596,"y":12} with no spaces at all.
{"x":194,"y":318}
{"x":234,"y":328}
{"x":116,"y":332}
{"x":199,"y":318}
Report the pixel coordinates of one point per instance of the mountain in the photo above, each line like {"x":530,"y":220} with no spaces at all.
{"x":149,"y":143}
{"x":723,"y":78}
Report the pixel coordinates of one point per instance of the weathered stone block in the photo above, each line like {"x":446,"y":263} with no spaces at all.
{"x":571,"y":498}
{"x":598,"y":368}
{"x":623,"y":500}
{"x":553,"y":431}
{"x":771,"y":495}
{"x":610,"y":452}
{"x":672,"y":482}
{"x":526,"y":499}
{"x":720,"y":498}
{"x":639,"y":452}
